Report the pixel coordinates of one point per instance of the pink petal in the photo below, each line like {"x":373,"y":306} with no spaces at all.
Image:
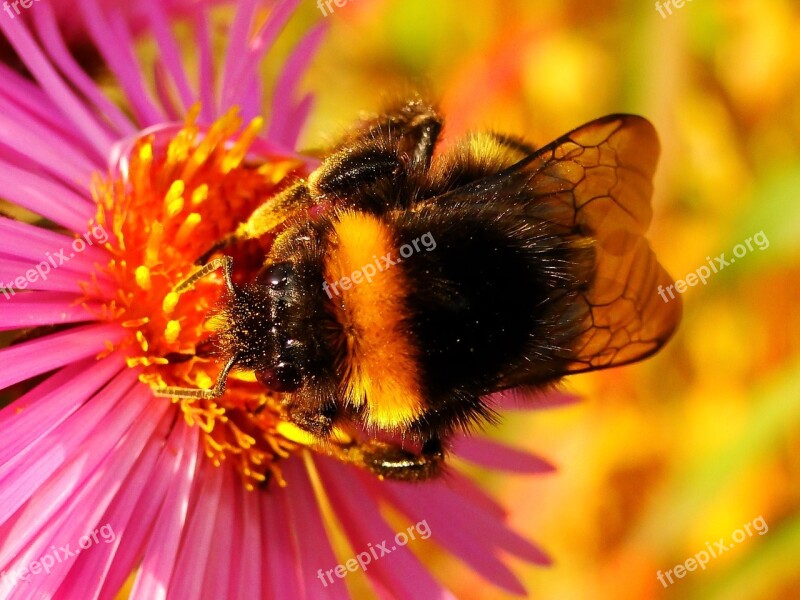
{"x":468,"y":489}
{"x":177,"y":453}
{"x":226,"y":551}
{"x":42,"y":409}
{"x":499,"y":456}
{"x":198,"y":534}
{"x":43,"y":147}
{"x":282,"y":129}
{"x":252,"y":102}
{"x":45,"y":308}
{"x":281,"y":578}
{"x":45,"y":197}
{"x":238,"y":36}
{"x":91,"y":570}
{"x":114,"y":43}
{"x":248,"y":58}
{"x":22,"y":240}
{"x":249,"y":554}
{"x":61,"y":95}
{"x":206,"y":68}
{"x":486,"y":527}
{"x":29,"y":98}
{"x":437,"y":514}
{"x":161,"y":553}
{"x":22,"y":278}
{"x":54,"y":351}
{"x":21,"y":476}
{"x":400,"y":571}
{"x":168,"y":49}
{"x":314,"y":547}
{"x":164,"y":92}
{"x":298,"y":119}
{"x":99,"y":474}
{"x":22,"y":275}
{"x":47,"y":27}
{"x":25,"y":103}
{"x":61,"y":490}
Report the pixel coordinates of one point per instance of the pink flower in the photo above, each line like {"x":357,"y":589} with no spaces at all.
{"x":138,"y":16}
{"x":73,"y":25}
{"x":99,"y":480}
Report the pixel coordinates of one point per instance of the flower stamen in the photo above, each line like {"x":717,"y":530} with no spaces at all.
{"x":178,"y":197}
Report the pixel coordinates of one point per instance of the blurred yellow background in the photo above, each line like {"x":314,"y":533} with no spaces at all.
{"x":663,"y":457}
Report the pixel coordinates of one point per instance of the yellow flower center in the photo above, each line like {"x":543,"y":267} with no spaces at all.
{"x":173,"y":201}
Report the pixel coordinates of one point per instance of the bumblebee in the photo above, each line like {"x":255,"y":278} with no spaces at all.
{"x":526,"y":265}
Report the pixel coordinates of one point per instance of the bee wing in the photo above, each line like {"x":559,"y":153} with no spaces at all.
{"x":598,"y":178}
{"x":596,"y":181}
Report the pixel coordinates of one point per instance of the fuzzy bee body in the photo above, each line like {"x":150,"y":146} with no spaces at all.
{"x":527,"y":265}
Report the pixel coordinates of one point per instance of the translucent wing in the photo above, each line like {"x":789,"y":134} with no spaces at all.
{"x":598,"y":178}
{"x":596,"y":182}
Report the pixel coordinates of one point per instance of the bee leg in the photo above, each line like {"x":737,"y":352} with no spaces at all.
{"x":411,"y":129}
{"x":425,"y":130}
{"x":317,"y":424}
{"x":219,"y":245}
{"x":291,"y":202}
{"x":381,"y":165}
{"x":314,"y":411}
{"x":389,"y":461}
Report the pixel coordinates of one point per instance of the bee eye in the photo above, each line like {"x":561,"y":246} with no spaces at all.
{"x":283,"y":378}
{"x":277,"y":276}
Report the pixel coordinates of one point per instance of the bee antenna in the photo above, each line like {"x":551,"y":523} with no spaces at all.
{"x":225,"y":262}
{"x":209,"y":394}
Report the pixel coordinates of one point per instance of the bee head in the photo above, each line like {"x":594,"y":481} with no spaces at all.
{"x":261,"y":327}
